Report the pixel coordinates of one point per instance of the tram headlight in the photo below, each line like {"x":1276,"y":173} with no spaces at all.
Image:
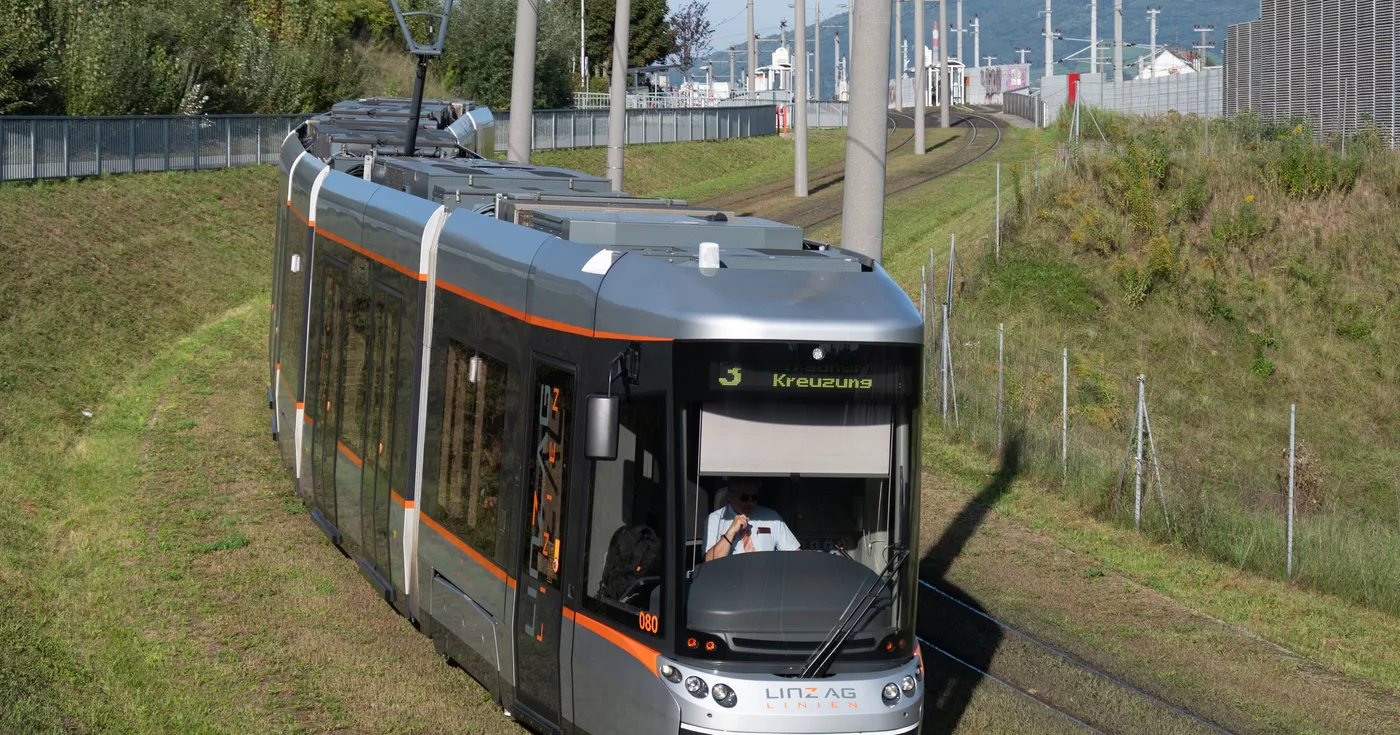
{"x":890,"y":693}
{"x":725,"y":696}
{"x":671,"y":674}
{"x":908,"y":684}
{"x":696,"y":686}
{"x":817,"y":353}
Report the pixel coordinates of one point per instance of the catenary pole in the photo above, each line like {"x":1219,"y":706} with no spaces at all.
{"x":960,"y":30}
{"x":817,"y":58}
{"x":899,"y":54}
{"x":750,"y":81}
{"x":617,"y":88}
{"x":522,"y":81}
{"x":920,"y":80}
{"x":944,"y":78}
{"x":863,"y":223}
{"x":1049,"y":42}
{"x":799,"y":102}
{"x":1093,"y":36}
{"x":1117,"y":40}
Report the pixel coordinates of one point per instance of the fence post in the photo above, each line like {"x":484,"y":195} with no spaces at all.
{"x":34,"y":150}
{"x":258,"y":128}
{"x":1137,"y":471}
{"x":66,"y":168}
{"x":131,"y":143}
{"x":943,"y":367}
{"x":99,"y":147}
{"x":1292,"y":424}
{"x":998,"y":212}
{"x":228,"y":142}
{"x":195,"y":120}
{"x":1001,"y":380}
{"x":1064,"y":416}
{"x":165,"y":126}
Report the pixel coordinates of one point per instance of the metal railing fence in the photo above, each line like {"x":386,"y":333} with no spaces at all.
{"x":1025,"y":106}
{"x":61,"y":147}
{"x":554,"y":129}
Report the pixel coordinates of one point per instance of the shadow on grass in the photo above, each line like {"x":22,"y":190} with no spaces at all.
{"x":972,"y":639}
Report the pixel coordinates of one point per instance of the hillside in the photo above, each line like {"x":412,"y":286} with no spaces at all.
{"x":1007,"y":24}
{"x":1239,"y":283}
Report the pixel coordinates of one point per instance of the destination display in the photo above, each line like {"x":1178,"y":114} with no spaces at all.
{"x":736,"y":376}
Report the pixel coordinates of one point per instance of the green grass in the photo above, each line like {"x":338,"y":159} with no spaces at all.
{"x":698,"y":170}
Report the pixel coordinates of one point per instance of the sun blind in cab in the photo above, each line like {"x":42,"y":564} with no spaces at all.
{"x":851,"y":440}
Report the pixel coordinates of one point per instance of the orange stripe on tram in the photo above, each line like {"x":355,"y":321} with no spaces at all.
{"x":475,"y":555}
{"x":540,"y":321}
{"x":638,"y":650}
{"x":411,"y":273}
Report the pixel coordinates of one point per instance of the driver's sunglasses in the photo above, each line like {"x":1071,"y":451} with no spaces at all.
{"x":746,"y":497}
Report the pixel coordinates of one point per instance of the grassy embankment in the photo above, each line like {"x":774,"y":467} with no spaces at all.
{"x":1240,"y":283}
{"x":1050,"y":292}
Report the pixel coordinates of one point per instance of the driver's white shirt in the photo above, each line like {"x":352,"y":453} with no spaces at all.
{"x":776,"y":538}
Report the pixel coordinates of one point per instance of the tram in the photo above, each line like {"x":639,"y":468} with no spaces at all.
{"x":530,"y":408}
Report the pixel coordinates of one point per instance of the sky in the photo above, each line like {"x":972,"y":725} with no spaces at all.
{"x":730,"y":18}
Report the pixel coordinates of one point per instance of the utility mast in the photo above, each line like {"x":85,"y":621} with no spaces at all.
{"x":899,"y":54}
{"x":989,"y":58}
{"x":817,"y":57}
{"x":750,"y":80}
{"x":920,"y":79}
{"x":522,"y":81}
{"x":1094,"y":36}
{"x":960,"y":30}
{"x":1117,"y":40}
{"x":863,"y":206}
{"x":799,"y":101}
{"x":976,"y":40}
{"x":1152,"y":35}
{"x":944,"y":78}
{"x":1023,"y":50}
{"x":617,"y":91}
{"x":1049,"y":42}
{"x":437,"y":30}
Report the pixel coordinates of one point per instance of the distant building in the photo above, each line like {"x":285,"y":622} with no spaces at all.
{"x":1168,"y":61}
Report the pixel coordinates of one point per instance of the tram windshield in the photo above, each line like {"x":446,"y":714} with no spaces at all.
{"x":798,"y":475}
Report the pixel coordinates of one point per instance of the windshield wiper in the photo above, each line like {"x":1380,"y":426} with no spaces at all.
{"x":854,"y":618}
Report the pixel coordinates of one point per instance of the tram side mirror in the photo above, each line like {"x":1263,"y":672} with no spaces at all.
{"x":600,"y":431}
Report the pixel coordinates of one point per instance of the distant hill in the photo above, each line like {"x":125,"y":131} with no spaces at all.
{"x":1007,"y":24}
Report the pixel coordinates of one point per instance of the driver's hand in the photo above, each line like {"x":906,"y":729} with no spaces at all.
{"x":739,"y":523}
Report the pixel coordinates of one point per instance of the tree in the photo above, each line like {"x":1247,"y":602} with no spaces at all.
{"x":692,"y":33}
{"x":477,"y":60}
{"x":651,"y":35}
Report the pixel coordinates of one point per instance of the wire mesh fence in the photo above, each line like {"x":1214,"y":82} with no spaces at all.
{"x":60,"y":147}
{"x":1215,"y":479}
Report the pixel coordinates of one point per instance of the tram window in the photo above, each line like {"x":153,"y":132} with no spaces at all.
{"x":625,"y":551}
{"x":352,"y":427}
{"x":471,"y":440}
{"x":551,"y":439}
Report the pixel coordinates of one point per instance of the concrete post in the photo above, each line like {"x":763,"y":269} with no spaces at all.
{"x":799,"y":102}
{"x":920,"y":80}
{"x":1117,"y":40}
{"x":944,"y":78}
{"x":899,"y":54}
{"x":751,"y":47}
{"x":1093,"y":36}
{"x":863,"y":220}
{"x":522,"y":81}
{"x":817,"y":58}
{"x":1049,"y":42}
{"x":960,"y":31}
{"x":617,"y":88}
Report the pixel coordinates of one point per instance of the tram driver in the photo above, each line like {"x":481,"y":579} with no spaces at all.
{"x":743,"y":525}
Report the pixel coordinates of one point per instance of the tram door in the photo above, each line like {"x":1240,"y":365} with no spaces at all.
{"x":385,"y":419}
{"x":330,"y":366}
{"x":539,"y":603}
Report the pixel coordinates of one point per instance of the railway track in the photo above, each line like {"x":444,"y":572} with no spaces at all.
{"x":824,"y":205}
{"x":960,"y":633}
